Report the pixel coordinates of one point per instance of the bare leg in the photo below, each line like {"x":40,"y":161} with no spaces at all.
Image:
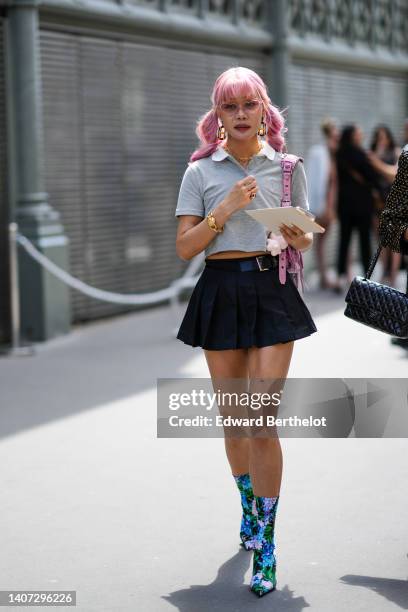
{"x":320,"y":256}
{"x":395,"y":266}
{"x":265,"y":456}
{"x":321,"y":240}
{"x":231,"y":364}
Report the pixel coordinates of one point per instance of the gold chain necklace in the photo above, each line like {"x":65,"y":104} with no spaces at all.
{"x":243,"y":158}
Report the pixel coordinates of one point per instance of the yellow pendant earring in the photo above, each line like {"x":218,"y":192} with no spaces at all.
{"x":262,"y":129}
{"x":221,"y":132}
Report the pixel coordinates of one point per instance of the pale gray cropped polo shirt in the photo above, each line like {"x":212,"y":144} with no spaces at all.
{"x":207,"y":181}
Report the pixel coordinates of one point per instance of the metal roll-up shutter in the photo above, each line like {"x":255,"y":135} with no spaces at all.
{"x":120,"y":122}
{"x":165,"y":93}
{"x":84,"y":160}
{"x":349,"y":95}
{"x":4,"y":218}
{"x":63,"y":148}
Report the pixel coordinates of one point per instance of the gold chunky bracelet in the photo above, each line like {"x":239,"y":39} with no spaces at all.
{"x":212,"y":224}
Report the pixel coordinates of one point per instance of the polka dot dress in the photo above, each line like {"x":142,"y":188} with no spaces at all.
{"x":394,"y":217}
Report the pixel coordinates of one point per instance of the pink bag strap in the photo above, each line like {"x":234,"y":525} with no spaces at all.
{"x":289,"y":257}
{"x":288,"y":163}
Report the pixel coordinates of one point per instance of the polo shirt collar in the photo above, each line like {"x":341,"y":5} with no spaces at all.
{"x":220,"y":153}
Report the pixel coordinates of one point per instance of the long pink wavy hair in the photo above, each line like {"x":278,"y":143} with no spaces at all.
{"x":234,"y":82}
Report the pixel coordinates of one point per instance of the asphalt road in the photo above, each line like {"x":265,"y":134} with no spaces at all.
{"x":93,"y":501}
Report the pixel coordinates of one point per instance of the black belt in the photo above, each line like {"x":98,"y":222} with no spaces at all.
{"x":245,"y":264}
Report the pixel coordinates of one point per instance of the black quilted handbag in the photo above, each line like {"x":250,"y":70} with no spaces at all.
{"x":378,"y":306}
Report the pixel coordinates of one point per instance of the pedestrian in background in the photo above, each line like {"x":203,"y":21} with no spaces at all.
{"x":355,"y":203}
{"x":321,"y":174}
{"x":384,"y":149}
{"x":388,"y":171}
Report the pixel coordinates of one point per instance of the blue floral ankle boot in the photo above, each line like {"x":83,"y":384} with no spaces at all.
{"x":248,"y":521}
{"x":264,"y":563}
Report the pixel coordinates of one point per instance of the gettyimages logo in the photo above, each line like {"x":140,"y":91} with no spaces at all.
{"x":294,"y":407}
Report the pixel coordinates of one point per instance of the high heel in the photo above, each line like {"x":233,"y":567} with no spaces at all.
{"x":264,"y":563}
{"x":248,"y":520}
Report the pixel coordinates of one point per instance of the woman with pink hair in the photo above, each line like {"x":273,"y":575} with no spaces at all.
{"x":245,"y":310}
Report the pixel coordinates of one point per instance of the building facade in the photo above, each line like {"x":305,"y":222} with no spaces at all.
{"x":98,"y":105}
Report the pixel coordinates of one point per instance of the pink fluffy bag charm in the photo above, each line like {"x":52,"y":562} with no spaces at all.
{"x":290,"y":259}
{"x":275,"y":244}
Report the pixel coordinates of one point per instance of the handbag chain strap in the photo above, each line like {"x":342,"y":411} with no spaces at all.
{"x":374,"y":261}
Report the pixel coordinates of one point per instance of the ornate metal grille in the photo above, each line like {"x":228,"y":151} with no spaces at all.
{"x":188,"y":5}
{"x":220,"y":7}
{"x":252,"y":11}
{"x":377,"y":23}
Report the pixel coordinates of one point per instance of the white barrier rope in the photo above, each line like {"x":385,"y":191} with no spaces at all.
{"x":169,"y":293}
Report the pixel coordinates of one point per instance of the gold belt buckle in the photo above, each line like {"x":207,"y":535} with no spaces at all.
{"x":259,"y":264}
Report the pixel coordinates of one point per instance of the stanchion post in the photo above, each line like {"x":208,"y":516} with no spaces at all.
{"x":14,"y":290}
{"x":15,"y":348}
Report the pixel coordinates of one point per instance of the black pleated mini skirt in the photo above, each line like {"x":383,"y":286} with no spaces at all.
{"x":230,"y":308}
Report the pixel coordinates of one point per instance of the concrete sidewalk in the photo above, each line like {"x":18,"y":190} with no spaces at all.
{"x":94,"y":502}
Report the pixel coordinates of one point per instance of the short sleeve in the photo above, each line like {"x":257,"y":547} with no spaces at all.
{"x":190,"y":198}
{"x":299,"y":187}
